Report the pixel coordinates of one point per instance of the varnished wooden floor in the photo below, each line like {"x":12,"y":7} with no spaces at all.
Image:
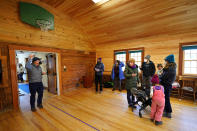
{"x":83,"y":110}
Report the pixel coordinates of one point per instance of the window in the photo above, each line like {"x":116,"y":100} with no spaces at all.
{"x":189,"y":60}
{"x":121,"y":56}
{"x":126,"y":54}
{"x":137,"y":55}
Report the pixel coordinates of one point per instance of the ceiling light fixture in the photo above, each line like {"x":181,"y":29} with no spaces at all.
{"x":96,"y":1}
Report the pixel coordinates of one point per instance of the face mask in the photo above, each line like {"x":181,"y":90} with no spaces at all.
{"x":145,"y":60}
{"x":165,"y":63}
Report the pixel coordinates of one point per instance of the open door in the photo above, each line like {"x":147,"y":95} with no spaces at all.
{"x":51,"y":73}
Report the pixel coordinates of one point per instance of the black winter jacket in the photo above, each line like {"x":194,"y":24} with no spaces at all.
{"x":148,"y":71}
{"x":169,"y":75}
{"x":99,"y":66}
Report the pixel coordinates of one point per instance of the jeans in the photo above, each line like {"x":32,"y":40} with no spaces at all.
{"x":36,"y":87}
{"x":98,"y":80}
{"x":117,"y":83}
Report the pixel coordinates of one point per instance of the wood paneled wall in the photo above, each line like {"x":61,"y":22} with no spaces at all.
{"x":158,"y":48}
{"x":5,"y":86}
{"x":78,"y":64}
{"x":67,"y":33}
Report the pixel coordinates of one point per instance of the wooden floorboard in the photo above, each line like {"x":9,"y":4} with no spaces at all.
{"x":84,"y":110}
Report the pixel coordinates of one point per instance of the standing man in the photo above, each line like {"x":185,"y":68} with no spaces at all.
{"x":35,"y":81}
{"x":148,"y":70}
{"x":99,"y":69}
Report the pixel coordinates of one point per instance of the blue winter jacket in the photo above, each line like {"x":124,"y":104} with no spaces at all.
{"x":121,"y":73}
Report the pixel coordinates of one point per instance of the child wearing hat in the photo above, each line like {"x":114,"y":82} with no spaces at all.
{"x":158,"y":101}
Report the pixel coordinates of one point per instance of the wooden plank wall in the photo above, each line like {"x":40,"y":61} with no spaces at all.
{"x":158,"y":48}
{"x":78,"y":64}
{"x":5,"y":86}
{"x":67,"y":33}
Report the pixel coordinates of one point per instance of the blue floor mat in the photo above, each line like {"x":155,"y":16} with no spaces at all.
{"x":24,"y":87}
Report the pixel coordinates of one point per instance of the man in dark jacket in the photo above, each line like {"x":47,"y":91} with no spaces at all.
{"x":99,"y":69}
{"x":167,"y":78}
{"x":35,"y":81}
{"x":148,"y":70}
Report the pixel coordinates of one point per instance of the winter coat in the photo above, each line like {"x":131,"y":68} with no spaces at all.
{"x":150,"y":71}
{"x":121,"y":73}
{"x":131,"y":81}
{"x":99,"y":68}
{"x":169,"y":75}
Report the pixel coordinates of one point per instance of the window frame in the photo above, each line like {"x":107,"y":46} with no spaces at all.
{"x":181,"y":59}
{"x":115,"y":54}
{"x":127,"y":53}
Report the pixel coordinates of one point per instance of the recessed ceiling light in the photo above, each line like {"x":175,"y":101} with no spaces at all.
{"x":96,"y":1}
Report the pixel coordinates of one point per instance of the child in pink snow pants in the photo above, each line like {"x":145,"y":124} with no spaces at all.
{"x":158,"y":101}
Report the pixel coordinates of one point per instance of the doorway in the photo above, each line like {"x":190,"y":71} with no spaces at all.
{"x":48,"y":65}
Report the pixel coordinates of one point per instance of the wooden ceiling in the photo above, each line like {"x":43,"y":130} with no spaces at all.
{"x":125,"y":20}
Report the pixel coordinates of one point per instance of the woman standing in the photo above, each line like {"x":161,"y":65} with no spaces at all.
{"x":20,"y":72}
{"x":132,"y":78}
{"x":117,"y":74}
{"x":167,"y":78}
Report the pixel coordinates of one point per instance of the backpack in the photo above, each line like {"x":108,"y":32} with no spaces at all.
{"x":108,"y":84}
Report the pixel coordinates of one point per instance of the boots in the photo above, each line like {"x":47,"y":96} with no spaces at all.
{"x":158,"y":123}
{"x":40,"y":106}
{"x":33,"y":109}
{"x":168,"y":115}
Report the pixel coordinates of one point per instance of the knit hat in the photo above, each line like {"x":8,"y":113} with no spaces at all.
{"x":148,"y":57}
{"x":155,"y":79}
{"x":35,"y":59}
{"x":170,"y":58}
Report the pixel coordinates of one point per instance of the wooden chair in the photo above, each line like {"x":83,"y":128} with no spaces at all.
{"x":189,"y":86}
{"x":176,"y":89}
